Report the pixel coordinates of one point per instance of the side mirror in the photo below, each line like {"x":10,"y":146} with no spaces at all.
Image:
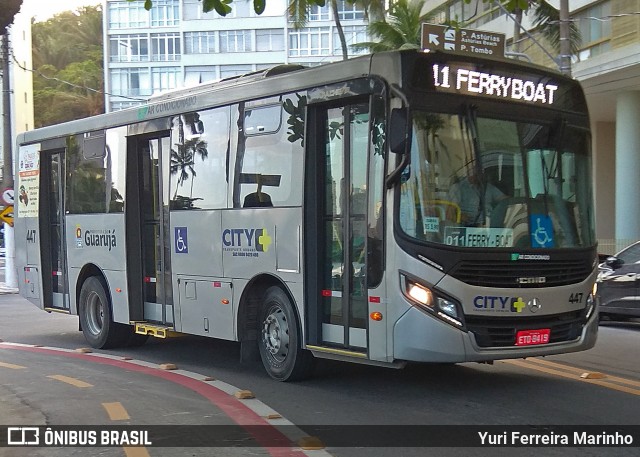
{"x":398,"y":131}
{"x":614,"y":262}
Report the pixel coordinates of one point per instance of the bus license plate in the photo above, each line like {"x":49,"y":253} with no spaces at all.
{"x":533,"y":337}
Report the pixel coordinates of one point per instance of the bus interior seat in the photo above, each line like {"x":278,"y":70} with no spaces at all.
{"x":259,"y":199}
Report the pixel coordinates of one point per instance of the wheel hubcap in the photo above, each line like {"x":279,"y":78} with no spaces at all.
{"x":275,"y":334}
{"x":95,"y":313}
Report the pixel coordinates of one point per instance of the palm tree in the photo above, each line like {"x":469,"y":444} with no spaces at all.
{"x":547,"y":20}
{"x":401,"y":30}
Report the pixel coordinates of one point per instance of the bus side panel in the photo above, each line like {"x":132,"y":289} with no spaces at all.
{"x":27,"y":245}
{"x":98,"y":239}
{"x":261,"y":240}
{"x":196,"y":244}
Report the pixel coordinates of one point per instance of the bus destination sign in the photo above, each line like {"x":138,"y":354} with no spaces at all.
{"x":465,"y":41}
{"x":465,"y":79}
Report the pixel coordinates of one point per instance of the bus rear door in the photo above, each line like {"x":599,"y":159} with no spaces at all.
{"x":52,"y":226}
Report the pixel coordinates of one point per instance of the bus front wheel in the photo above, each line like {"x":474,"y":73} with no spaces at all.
{"x":96,"y":320}
{"x":279,"y":339}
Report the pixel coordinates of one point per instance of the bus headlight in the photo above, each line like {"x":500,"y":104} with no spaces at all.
{"x":432,"y":301}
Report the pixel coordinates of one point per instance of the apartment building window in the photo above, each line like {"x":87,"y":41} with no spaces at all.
{"x":270,"y":40}
{"x":318,"y":13}
{"x":125,"y":15}
{"x":242,"y":8}
{"x":129,"y":48}
{"x":226,"y":71}
{"x":596,"y":35}
{"x":197,"y":75}
{"x":164,"y":78}
{"x":192,"y":10}
{"x":312,"y":41}
{"x":165,"y":46}
{"x":349,"y":11}
{"x":165,"y":13}
{"x":235,"y":41}
{"x":353,"y":34}
{"x":130,"y":82}
{"x":199,"y":42}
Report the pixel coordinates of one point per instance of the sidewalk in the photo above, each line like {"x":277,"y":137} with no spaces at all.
{"x":4,"y":289}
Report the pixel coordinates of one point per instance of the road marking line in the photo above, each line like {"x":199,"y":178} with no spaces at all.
{"x":116,"y":411}
{"x":564,"y":374}
{"x":136,"y":451}
{"x":72,"y":381}
{"x":630,"y":382}
{"x":11,"y":365}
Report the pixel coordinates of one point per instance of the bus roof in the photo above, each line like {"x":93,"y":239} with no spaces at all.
{"x":282,"y":79}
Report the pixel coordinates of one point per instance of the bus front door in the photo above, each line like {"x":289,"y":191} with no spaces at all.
{"x":54,"y":266}
{"x":149,"y":260}
{"x":343,"y":227}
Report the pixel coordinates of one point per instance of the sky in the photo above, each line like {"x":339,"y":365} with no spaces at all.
{"x":45,"y":9}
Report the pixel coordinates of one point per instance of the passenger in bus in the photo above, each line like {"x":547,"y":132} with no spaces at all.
{"x":476,"y":197}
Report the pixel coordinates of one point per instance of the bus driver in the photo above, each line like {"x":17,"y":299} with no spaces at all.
{"x":476,"y":197}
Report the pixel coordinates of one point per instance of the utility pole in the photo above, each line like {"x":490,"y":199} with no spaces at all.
{"x":565,"y":43}
{"x":11,"y":278}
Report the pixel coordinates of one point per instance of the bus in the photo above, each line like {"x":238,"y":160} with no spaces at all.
{"x":310,"y":213}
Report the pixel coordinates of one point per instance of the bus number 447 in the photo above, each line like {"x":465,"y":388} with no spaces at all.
{"x":575,"y":298}
{"x":31,"y":236}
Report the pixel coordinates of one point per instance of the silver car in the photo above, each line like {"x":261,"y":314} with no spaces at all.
{"x":619,"y":284}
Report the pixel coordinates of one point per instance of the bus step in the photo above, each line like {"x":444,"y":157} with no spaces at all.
{"x":157,"y":331}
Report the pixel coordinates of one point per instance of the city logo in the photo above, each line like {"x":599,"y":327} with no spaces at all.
{"x":499,"y":304}
{"x":246,"y":242}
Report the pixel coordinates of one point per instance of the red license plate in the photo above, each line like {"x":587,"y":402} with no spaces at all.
{"x":533,"y":337}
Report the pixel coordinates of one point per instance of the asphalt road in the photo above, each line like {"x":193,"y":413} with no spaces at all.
{"x":539,"y":392}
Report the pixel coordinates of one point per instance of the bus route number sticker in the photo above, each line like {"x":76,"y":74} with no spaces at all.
{"x":475,"y":237}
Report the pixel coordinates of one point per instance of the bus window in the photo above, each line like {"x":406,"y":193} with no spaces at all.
{"x":86,"y":179}
{"x":270,"y":155}
{"x":199,"y":154}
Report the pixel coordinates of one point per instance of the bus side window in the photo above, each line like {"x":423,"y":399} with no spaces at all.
{"x":272,"y":154}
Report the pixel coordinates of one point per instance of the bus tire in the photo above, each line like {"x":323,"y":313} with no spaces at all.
{"x":279,"y":339}
{"x":96,"y":319}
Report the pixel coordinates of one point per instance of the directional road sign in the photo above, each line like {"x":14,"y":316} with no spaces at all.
{"x":467,"y":41}
{"x":7,"y":215}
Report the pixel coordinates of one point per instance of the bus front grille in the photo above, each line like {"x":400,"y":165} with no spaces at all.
{"x":501,"y":273}
{"x":501,"y":332}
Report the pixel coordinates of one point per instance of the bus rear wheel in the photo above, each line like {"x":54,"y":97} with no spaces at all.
{"x":279,"y":339}
{"x":96,"y":319}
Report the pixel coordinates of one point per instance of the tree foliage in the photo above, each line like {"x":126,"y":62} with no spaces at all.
{"x":400,"y":30}
{"x":68,"y":58}
{"x":8,"y":10}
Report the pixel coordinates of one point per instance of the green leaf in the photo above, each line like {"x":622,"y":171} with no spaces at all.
{"x":259,"y":6}
{"x":221,"y":6}
{"x":148,"y":4}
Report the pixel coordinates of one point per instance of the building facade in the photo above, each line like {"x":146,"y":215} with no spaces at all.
{"x":177,"y":45}
{"x":608,"y":66}
{"x":20,"y":78}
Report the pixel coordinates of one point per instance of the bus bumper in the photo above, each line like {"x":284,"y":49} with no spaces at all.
{"x":418,"y":337}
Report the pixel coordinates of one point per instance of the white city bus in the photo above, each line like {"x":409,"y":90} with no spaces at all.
{"x":311,"y":212}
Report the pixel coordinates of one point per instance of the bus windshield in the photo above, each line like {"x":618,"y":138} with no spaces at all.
{"x":485,"y":182}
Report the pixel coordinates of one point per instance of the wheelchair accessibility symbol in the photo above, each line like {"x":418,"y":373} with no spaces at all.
{"x":181,"y":244}
{"x":541,"y":229}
